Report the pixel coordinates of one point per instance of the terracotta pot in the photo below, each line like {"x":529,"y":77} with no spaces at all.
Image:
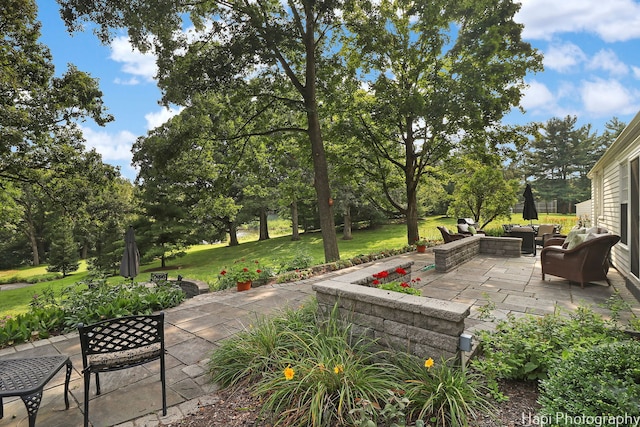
{"x":421,"y":249}
{"x":244,"y":286}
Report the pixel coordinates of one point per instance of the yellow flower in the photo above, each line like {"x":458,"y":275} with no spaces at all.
{"x":338,"y":369}
{"x":289,"y":373}
{"x":428,"y":363}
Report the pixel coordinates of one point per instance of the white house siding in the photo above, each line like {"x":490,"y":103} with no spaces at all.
{"x":584,"y":208}
{"x":610,"y":218}
{"x":605,"y":194}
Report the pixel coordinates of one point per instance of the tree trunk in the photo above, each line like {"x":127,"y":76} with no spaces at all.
{"x":264,"y":224}
{"x":412,"y":216}
{"x":233,"y":235}
{"x":320,"y":169}
{"x":30,"y":232}
{"x":295,"y":233}
{"x":34,"y":248}
{"x":346,"y":232}
{"x":411,"y":186}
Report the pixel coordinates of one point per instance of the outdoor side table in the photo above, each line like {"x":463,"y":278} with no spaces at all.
{"x":27,"y":377}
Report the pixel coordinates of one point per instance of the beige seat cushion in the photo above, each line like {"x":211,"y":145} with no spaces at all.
{"x":546,"y":229}
{"x":123,"y":357}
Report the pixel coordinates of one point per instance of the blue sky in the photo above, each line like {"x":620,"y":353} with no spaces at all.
{"x":592,"y":70}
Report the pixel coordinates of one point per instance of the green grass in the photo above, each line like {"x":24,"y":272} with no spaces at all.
{"x":204,"y":262}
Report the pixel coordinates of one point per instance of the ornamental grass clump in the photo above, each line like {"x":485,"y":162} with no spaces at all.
{"x":441,"y":393}
{"x":244,"y":357}
{"x":324,"y":379}
{"x":307,"y":371}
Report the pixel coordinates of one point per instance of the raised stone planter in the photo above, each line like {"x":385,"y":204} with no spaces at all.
{"x":424,"y":327}
{"x":192,"y":287}
{"x":450,"y":255}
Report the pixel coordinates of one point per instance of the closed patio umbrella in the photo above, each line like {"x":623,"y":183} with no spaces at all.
{"x":529,"y":210}
{"x":130,"y":264}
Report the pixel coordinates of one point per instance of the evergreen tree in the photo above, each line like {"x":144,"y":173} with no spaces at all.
{"x":63,"y":254}
{"x":559,"y":158}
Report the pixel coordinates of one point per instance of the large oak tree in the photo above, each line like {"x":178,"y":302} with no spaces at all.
{"x":435,"y":70}
{"x":286,"y":43}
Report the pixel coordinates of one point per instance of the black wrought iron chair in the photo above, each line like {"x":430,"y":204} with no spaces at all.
{"x":121,"y":343}
{"x":159,"y":277}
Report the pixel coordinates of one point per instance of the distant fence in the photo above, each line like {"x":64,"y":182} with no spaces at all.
{"x":550,"y":206}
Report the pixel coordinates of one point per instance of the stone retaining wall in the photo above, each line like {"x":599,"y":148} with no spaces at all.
{"x":192,"y":287}
{"x":424,"y":327}
{"x":450,"y":255}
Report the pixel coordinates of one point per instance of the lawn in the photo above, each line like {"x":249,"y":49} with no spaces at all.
{"x":204,"y":262}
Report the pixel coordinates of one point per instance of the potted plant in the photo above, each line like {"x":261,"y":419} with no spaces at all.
{"x":421,"y":245}
{"x":242,"y":272}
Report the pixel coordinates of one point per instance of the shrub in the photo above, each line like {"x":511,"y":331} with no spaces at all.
{"x":524,"y":348}
{"x":442,"y":393}
{"x":44,"y":278}
{"x":301,"y":260}
{"x":604,"y":379}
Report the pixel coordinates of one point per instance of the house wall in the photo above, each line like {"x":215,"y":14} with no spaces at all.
{"x":606,"y":198}
{"x":584,"y":208}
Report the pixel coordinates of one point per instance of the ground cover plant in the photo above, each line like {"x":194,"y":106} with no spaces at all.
{"x":50,"y":313}
{"x":309,"y":372}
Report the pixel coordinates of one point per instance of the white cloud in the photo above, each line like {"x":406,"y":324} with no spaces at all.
{"x":636,"y":72}
{"x":611,"y":20}
{"x":607,"y":60}
{"x":134,"y":62}
{"x":607,"y":98}
{"x":112,"y":147}
{"x":129,"y":82}
{"x":159,"y":117}
{"x":563,"y":57}
{"x":537,"y":95}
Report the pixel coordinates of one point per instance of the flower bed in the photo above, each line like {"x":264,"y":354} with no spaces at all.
{"x":389,"y":274}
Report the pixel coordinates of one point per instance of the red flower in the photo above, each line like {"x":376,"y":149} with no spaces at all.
{"x":245,"y":269}
{"x":223,"y":272}
{"x":376,"y":282}
{"x":401,"y":271}
{"x":405,"y":285}
{"x":381,"y":275}
{"x":258,"y":271}
{"x":417,"y":279}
